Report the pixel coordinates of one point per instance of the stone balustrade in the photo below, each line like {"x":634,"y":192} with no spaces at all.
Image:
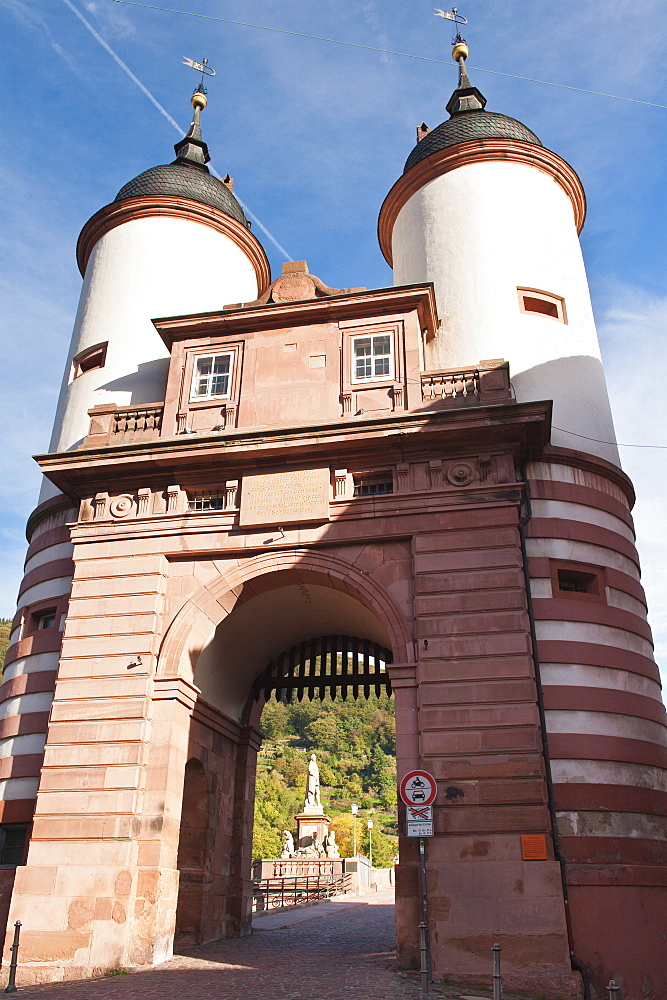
{"x":480,"y":385}
{"x":111,"y":424}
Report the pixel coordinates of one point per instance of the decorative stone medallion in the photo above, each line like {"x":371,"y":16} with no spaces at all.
{"x":122,"y":506}
{"x":460,"y":474}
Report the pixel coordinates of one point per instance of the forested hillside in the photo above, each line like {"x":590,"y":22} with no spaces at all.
{"x":5,"y":625}
{"x":355,"y":743}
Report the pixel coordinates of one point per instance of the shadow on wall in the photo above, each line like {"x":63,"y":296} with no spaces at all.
{"x":146,"y":385}
{"x":581,"y":404}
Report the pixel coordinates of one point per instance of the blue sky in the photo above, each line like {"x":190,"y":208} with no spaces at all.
{"x":315,"y":134}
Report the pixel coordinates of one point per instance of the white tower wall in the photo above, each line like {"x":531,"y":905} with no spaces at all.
{"x":137,"y":272}
{"x":481,"y":231}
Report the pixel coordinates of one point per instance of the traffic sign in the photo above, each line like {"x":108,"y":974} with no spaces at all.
{"x":419,"y":821}
{"x":418,"y":788}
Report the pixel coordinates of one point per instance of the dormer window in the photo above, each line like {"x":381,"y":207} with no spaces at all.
{"x":211,"y":377}
{"x":372,"y":358}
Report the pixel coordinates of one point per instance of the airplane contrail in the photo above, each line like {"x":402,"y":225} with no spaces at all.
{"x":163,"y":111}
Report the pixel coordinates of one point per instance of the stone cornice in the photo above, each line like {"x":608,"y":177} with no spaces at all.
{"x":347,"y":306}
{"x":167,"y":206}
{"x":477,"y":151}
{"x":521,"y":427}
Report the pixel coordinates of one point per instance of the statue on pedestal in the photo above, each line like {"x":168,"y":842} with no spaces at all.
{"x":312,"y":784}
{"x":287,"y":850}
{"x":330,"y":845}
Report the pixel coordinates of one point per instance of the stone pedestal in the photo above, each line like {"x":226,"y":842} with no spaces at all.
{"x":311,"y":822}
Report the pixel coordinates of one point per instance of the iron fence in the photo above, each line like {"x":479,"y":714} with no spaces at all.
{"x":278,"y":893}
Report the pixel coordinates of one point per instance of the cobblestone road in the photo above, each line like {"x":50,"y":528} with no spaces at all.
{"x":329,"y":952}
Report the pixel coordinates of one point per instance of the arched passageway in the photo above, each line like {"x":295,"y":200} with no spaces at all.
{"x":282,"y":638}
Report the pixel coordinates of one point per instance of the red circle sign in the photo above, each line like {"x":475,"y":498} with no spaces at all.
{"x":418,"y":788}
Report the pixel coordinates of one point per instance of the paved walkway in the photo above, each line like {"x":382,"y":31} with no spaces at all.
{"x":338,"y":950}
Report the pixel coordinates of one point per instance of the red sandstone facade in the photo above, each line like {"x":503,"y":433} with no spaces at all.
{"x":302,"y":473}
{"x":152,"y":736}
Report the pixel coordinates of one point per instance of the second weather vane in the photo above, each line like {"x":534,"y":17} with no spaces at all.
{"x":201,"y":67}
{"x":453,"y":15}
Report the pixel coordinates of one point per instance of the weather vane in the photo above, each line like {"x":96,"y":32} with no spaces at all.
{"x":201,"y":67}
{"x":453,"y":15}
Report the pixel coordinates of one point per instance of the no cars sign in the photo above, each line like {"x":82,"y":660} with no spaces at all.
{"x":418,"y":788}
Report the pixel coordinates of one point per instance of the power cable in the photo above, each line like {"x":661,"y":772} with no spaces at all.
{"x":618,"y":444}
{"x":390,"y":52}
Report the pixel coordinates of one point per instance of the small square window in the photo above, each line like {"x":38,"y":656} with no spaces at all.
{"x":44,"y":619}
{"x":575,"y":582}
{"x":372,"y":358}
{"x":204,"y":500}
{"x":371,"y":484}
{"x":211,"y":376}
{"x":578,"y":581}
{"x":12,"y":844}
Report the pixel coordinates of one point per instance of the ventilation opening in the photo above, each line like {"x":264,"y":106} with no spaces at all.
{"x":373,"y":484}
{"x":94,"y":357}
{"x":576,"y":582}
{"x":542,"y":304}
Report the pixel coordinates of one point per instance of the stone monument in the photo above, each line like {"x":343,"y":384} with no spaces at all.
{"x":312,"y":824}
{"x":314,"y":852}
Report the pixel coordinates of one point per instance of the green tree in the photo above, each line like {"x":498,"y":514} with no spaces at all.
{"x":5,"y":626}
{"x":384,"y":848}
{"x":275,"y":721}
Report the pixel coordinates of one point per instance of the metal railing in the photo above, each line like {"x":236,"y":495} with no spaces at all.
{"x":279,"y":893}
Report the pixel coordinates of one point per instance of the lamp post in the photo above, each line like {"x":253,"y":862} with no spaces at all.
{"x":355,"y":810}
{"x":370,"y":841}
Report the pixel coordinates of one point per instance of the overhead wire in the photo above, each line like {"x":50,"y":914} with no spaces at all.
{"x":391,"y":52}
{"x":619,"y":444}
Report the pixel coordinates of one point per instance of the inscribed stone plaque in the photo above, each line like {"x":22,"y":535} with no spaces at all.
{"x":285,"y":497}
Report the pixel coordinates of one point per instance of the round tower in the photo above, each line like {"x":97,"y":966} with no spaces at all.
{"x":173,"y":241}
{"x":491,"y":217}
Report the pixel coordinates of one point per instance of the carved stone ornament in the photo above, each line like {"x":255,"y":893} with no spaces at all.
{"x":296,"y":284}
{"x":122,"y":506}
{"x":460,"y":474}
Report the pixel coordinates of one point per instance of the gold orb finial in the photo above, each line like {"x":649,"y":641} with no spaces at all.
{"x":198,"y":100}
{"x":460,"y":51}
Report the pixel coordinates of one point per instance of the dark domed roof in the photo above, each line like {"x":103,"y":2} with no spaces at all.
{"x":466,"y":125}
{"x":184,"y":181}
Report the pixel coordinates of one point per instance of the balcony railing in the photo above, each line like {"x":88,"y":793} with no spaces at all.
{"x":112,"y":424}
{"x":481,"y":385}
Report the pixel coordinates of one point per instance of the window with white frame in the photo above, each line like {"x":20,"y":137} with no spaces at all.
{"x":372,"y":357}
{"x":212,"y":376}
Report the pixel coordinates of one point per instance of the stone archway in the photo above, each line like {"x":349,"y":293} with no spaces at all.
{"x":223,"y":639}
